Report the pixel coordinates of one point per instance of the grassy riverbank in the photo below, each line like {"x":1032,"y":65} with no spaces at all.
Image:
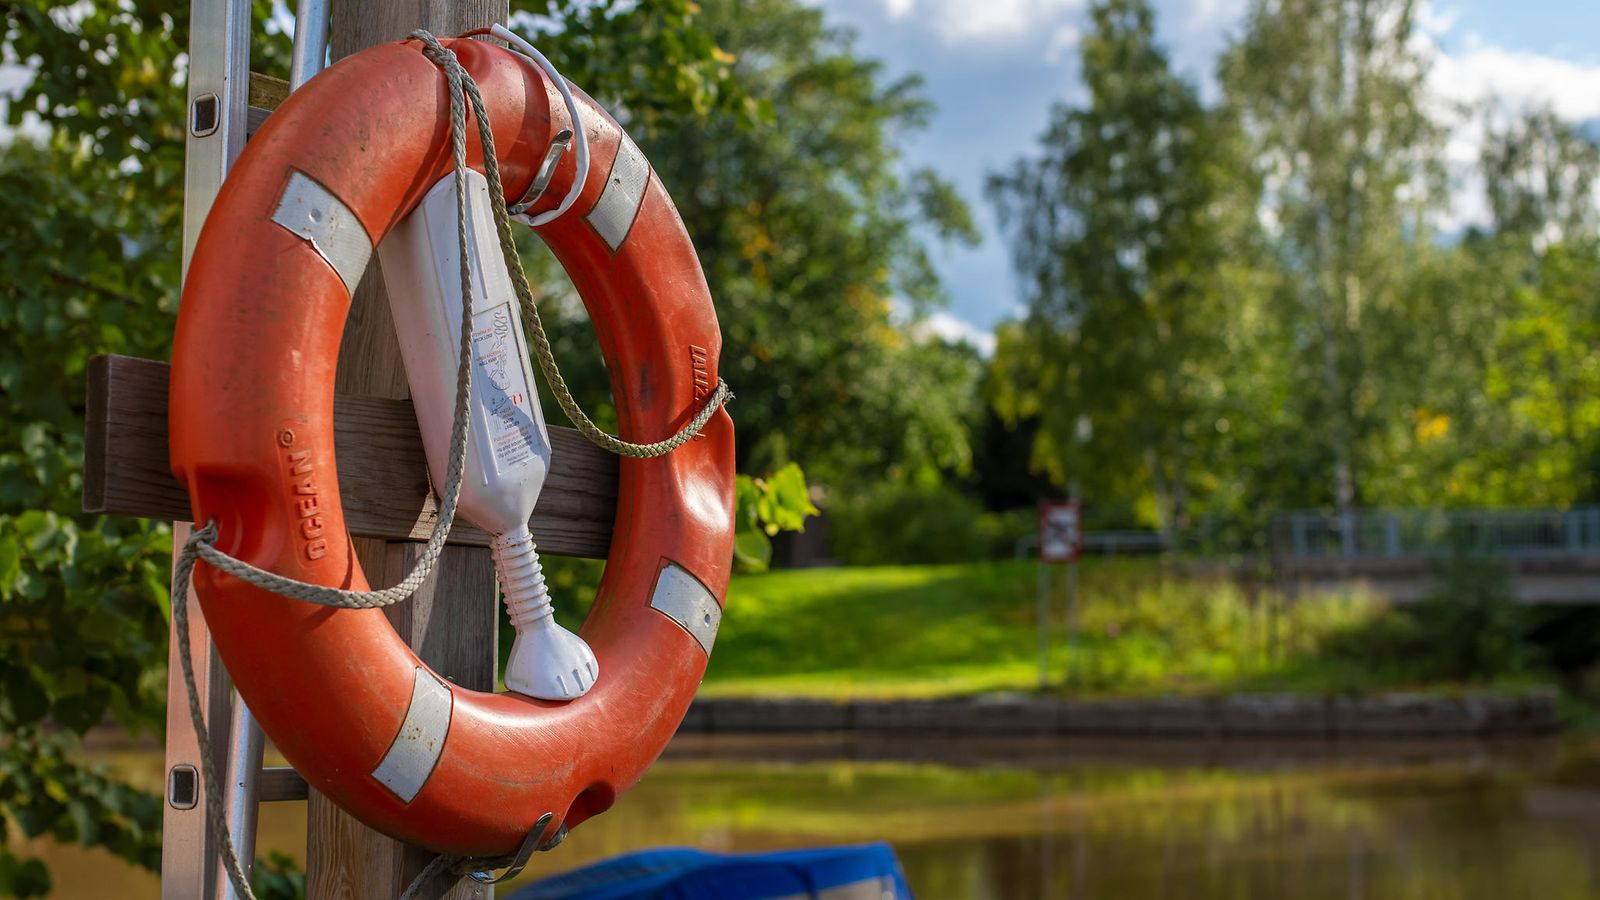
{"x":916,"y":631}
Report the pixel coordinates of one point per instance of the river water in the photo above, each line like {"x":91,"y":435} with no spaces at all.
{"x":1089,"y":819}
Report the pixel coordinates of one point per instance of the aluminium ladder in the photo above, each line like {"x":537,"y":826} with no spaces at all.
{"x":218,"y":120}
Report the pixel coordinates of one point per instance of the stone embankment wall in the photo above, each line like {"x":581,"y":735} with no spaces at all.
{"x":1236,"y":716}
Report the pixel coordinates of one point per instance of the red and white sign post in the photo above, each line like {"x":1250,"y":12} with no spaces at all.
{"x":1060,"y":544}
{"x":1060,"y":532}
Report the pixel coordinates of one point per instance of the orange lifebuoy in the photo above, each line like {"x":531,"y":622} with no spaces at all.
{"x":251,"y":419}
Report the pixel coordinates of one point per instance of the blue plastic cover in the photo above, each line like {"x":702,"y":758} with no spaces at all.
{"x":866,"y":872}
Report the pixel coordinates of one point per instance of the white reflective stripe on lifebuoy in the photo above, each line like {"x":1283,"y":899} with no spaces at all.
{"x":613,"y":214}
{"x":311,"y":211}
{"x":415,"y":750}
{"x":683,"y":599}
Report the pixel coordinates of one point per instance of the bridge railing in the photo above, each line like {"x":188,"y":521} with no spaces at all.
{"x":1511,"y":533}
{"x":1111,"y":543}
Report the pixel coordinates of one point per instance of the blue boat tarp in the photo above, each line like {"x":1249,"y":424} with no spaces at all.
{"x":866,"y":872}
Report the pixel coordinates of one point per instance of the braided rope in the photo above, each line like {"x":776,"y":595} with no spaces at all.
{"x":530,"y":310}
{"x":435,"y":867}
{"x":215,"y":823}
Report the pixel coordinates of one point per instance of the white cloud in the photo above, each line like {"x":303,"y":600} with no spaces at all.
{"x":1194,"y":32}
{"x":1435,"y":20}
{"x":1521,"y":79}
{"x":1465,"y":82}
{"x":1213,"y":15}
{"x":946,"y":326}
{"x":1065,"y":38}
{"x":942,"y":325}
{"x":986,"y":21}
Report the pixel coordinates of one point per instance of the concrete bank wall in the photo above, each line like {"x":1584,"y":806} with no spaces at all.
{"x":1243,"y":716}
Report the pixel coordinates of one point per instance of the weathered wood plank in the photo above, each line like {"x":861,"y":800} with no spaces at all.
{"x":459,"y":641}
{"x":267,"y":92}
{"x":383,"y":476}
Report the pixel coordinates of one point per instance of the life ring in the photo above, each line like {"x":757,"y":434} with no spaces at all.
{"x":251,"y":422}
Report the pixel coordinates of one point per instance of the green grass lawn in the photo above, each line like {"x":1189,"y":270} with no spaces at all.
{"x":919,"y":631}
{"x":892,"y":630}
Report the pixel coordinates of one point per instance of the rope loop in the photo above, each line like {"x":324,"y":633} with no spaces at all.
{"x":457,"y":75}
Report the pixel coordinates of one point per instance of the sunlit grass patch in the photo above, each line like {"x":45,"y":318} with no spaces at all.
{"x":1141,"y":629}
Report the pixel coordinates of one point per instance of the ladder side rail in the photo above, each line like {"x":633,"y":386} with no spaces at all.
{"x":218,"y":94}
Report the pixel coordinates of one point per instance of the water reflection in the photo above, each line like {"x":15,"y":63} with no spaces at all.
{"x":1135,"y":820}
{"x":1075,"y":819}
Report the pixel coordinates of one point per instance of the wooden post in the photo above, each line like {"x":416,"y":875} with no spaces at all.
{"x":343,"y":857}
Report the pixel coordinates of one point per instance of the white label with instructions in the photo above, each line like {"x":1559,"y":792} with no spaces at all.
{"x":502,"y":388}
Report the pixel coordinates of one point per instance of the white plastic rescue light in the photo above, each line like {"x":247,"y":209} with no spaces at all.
{"x":508,"y":449}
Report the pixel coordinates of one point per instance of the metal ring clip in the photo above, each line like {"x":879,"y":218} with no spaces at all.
{"x":530,"y":844}
{"x":547,"y":171}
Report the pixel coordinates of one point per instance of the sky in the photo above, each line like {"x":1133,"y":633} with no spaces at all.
{"x":994,"y":68}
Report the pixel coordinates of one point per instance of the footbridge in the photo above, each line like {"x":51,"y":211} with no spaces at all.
{"x":1552,"y":556}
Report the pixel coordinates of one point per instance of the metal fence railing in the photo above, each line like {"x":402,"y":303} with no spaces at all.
{"x":1519,"y":533}
{"x":1111,"y":543}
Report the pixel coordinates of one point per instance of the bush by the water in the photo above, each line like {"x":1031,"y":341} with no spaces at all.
{"x":910,"y":524}
{"x":1469,"y":627}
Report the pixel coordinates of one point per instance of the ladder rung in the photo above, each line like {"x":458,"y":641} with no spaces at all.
{"x":254,"y":118}
{"x":280,"y":783}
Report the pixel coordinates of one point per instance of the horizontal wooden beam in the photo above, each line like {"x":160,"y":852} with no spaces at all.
{"x":267,"y":92}
{"x":383,"y":474}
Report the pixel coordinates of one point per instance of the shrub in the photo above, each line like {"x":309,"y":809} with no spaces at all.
{"x":1468,"y":628}
{"x":1470,"y":624}
{"x":895,"y":524}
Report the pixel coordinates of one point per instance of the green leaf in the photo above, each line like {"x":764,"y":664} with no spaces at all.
{"x":10,"y":564}
{"x":22,"y":877}
{"x":790,"y":500}
{"x":81,"y":712}
{"x":278,"y":878}
{"x":752,"y":550}
{"x":31,"y":585}
{"x":23,"y":702}
{"x":766,"y":506}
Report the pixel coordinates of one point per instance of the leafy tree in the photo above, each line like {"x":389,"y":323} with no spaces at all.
{"x":810,"y":235}
{"x":1246,"y":308}
{"x":1540,"y":174}
{"x":91,"y":214}
{"x":1509,"y":416}
{"x":1119,"y":230}
{"x":1546,"y":371}
{"x":1330,"y":95}
{"x":1440,"y":426}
